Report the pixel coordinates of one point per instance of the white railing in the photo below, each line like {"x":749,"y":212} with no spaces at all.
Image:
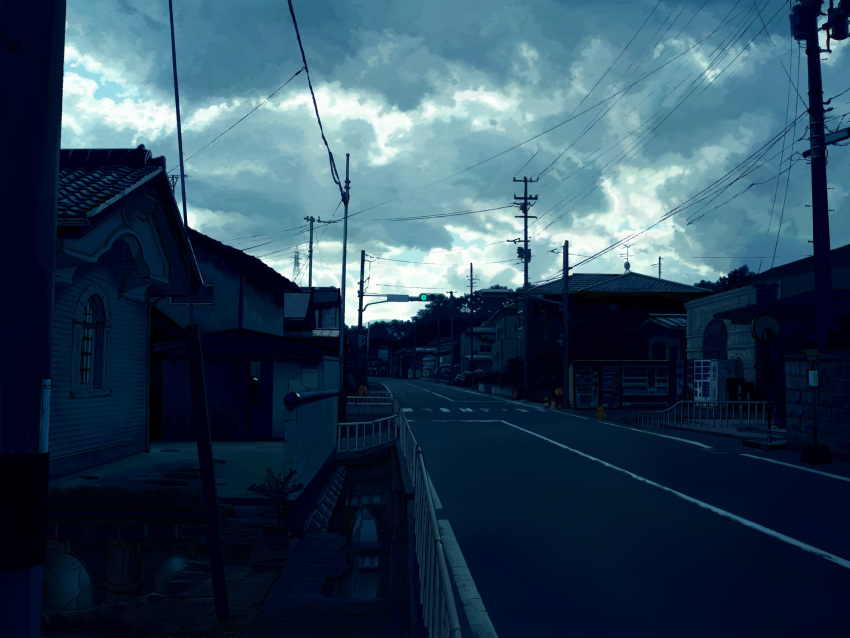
{"x":371,"y":404}
{"x":435,"y":593}
{"x":737,"y":415}
{"x":366,"y":434}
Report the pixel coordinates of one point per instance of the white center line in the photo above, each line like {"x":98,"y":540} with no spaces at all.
{"x":797,"y":467}
{"x":435,"y":394}
{"x":843,"y":562}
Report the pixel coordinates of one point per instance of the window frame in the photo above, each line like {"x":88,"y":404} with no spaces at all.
{"x":100,"y":326}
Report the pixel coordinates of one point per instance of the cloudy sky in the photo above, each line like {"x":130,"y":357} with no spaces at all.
{"x":677,"y":117}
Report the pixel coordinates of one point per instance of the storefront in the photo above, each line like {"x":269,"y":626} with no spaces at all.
{"x":622,"y":384}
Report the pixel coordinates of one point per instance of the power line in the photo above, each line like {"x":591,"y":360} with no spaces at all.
{"x":242,"y":118}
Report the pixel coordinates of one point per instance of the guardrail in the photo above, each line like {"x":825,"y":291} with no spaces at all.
{"x":366,"y":434}
{"x":741,"y":415}
{"x":371,"y":404}
{"x":435,"y":593}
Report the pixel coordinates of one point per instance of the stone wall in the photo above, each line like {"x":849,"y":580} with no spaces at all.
{"x":829,"y":404}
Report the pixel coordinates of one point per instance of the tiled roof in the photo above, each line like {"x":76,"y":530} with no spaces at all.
{"x":247,"y":264}
{"x":669,"y":321}
{"x":801,"y":265}
{"x":90,"y":180}
{"x":630,"y":282}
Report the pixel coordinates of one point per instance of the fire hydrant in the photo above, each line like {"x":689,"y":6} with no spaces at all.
{"x":600,"y":412}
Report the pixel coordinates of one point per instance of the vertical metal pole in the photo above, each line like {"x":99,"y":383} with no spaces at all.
{"x":310,"y":219}
{"x":565,"y":292}
{"x":30,"y":123}
{"x":471,"y":332}
{"x":452,"y":330}
{"x":360,"y":373}
{"x":198,"y":389}
{"x":342,"y":286}
{"x":820,"y":203}
{"x":439,"y":337}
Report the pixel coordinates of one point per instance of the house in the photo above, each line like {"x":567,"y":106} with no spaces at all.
{"x":477,"y":353}
{"x":506,"y":343}
{"x":120,"y":243}
{"x":608,"y":357}
{"x":720,"y":327}
{"x":262,"y":337}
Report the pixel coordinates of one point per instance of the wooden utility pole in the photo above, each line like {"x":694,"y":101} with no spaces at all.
{"x":437,"y":371}
{"x":659,"y":266}
{"x":360,"y":313}
{"x":526,"y":255}
{"x":30,"y":123}
{"x":312,"y":220}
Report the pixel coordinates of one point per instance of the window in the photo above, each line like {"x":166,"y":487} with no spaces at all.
{"x":90,"y":346}
{"x":485,"y":347}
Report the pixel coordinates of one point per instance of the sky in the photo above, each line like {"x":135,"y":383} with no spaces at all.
{"x":673,"y":128}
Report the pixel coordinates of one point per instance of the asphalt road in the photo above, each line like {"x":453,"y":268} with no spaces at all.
{"x":572,"y":527}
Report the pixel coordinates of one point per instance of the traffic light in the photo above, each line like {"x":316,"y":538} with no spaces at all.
{"x":426,"y":297}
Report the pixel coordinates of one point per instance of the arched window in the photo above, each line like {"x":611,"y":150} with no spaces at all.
{"x":90,"y":349}
{"x":714,"y":340}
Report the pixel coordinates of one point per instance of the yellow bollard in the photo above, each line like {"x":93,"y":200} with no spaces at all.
{"x":600,"y":412}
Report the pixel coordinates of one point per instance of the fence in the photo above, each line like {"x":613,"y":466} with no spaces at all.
{"x":707,"y":415}
{"x":371,"y":404}
{"x":435,"y":593}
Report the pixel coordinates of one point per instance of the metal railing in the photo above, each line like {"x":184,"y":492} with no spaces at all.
{"x":435,"y":593}
{"x":366,"y":434}
{"x":708,"y":415}
{"x":380,"y":404}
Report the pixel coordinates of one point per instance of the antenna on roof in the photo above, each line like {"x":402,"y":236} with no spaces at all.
{"x":627,"y":264}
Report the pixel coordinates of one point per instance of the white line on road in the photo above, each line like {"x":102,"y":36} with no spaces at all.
{"x":842,"y":562}
{"x":465,"y":409}
{"x":485,"y":409}
{"x":473,"y":606}
{"x":520,"y":410}
{"x":407,"y":409}
{"x":444,"y":409}
{"x":797,"y":467}
{"x":665,"y":436}
{"x":434,"y":393}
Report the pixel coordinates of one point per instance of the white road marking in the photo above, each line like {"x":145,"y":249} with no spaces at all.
{"x":435,"y":394}
{"x":473,"y":606}
{"x":842,"y":562}
{"x":407,"y":409}
{"x":428,"y":409}
{"x":444,"y":409}
{"x":797,"y":467}
{"x":465,"y":409}
{"x":485,"y":409}
{"x":665,"y":436}
{"x":520,"y":410}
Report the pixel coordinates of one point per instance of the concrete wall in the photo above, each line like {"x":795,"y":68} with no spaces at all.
{"x":309,"y":430}
{"x":829,"y":404}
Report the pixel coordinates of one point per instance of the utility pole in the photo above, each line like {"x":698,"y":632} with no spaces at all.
{"x":296,"y":265}
{"x":345,"y":200}
{"x":471,"y":331}
{"x":804,"y":26}
{"x":565,"y":298}
{"x":30,"y":123}
{"x":414,"y":348}
{"x":437,"y":371}
{"x":360,"y":312}
{"x":312,"y":220}
{"x":526,"y":255}
{"x":659,"y":266}
{"x":452,"y":331}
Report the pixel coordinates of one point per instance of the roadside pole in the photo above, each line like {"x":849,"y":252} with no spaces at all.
{"x":360,"y":373}
{"x":565,"y":298}
{"x":31,"y":66}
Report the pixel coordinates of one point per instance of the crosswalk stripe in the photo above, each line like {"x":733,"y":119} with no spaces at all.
{"x":444,"y":409}
{"x":485,"y":409}
{"x":407,"y":409}
{"x":466,"y":409}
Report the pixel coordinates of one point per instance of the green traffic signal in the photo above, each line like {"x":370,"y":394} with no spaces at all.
{"x":423,"y":297}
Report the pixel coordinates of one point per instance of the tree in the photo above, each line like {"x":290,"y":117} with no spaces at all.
{"x":737,"y":278}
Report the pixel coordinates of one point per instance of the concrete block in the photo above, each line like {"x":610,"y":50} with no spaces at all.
{"x":841,"y":415}
{"x":792,"y":423}
{"x":841,"y":384}
{"x":792,"y":396}
{"x":795,"y":382}
{"x":832,"y":369}
{"x":832,"y":430}
{"x":831,"y":399}
{"x":806,"y":425}
{"x":798,"y":410}
{"x":792,"y":369}
{"x":824,"y":413}
{"x":807,"y":397}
